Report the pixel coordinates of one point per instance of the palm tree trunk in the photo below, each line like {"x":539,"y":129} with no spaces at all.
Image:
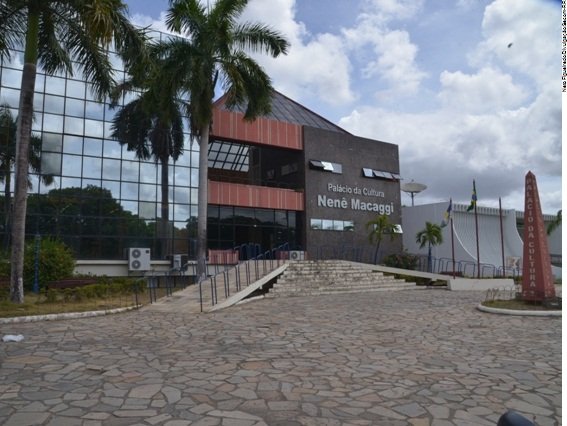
{"x":164,"y":231}
{"x":376,"y":253}
{"x":25,"y":117}
{"x":7,"y":207}
{"x":429,"y":258}
{"x":203,"y":196}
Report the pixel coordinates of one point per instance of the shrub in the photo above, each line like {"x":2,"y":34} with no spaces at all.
{"x":403,"y":261}
{"x":56,"y":262}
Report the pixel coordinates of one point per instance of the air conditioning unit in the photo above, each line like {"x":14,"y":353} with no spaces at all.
{"x":296,"y":255}
{"x":139,"y":259}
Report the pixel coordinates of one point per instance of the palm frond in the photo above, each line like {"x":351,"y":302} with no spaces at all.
{"x":186,"y":17}
{"x":260,"y":38}
{"x":12,"y":27}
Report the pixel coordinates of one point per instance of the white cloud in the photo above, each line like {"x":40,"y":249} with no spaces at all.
{"x":489,"y":90}
{"x":523,"y":35}
{"x":314,"y":66}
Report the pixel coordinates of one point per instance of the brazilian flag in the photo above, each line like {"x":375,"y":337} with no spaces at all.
{"x":473,"y":197}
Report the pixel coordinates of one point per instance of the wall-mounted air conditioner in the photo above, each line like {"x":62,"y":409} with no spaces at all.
{"x":296,"y":255}
{"x":139,"y":259}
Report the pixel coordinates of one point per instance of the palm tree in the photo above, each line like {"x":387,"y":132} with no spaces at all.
{"x":53,"y":34}
{"x":555,"y":223}
{"x":432,"y":235}
{"x":379,"y":227}
{"x":8,"y":127}
{"x":152,"y":126}
{"x":215,"y":50}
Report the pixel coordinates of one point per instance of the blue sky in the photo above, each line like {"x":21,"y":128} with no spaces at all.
{"x":468,"y":89}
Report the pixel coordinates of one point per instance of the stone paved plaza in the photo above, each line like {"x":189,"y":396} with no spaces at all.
{"x":418,"y":357}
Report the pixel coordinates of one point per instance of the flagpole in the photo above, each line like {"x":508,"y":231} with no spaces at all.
{"x":502,"y":237}
{"x":453,"y":246}
{"x":477,"y":245}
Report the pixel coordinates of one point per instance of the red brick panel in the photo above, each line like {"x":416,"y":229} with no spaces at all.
{"x":236,"y":194}
{"x":231,"y":125}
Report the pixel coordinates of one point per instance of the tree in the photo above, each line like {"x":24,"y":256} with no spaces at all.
{"x":152,"y":126}
{"x":53,"y":34}
{"x":380,"y":227}
{"x":215,"y":50}
{"x":555,"y":223}
{"x":432,"y":235}
{"x":8,"y":127}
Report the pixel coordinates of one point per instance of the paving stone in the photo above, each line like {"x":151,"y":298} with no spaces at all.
{"x":360,"y":359}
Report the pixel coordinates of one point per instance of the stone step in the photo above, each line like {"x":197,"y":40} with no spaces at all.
{"x":299,"y":288}
{"x":328,"y":291}
{"x":303,"y":278}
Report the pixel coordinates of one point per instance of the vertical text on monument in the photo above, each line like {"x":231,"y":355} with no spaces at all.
{"x":537,"y":279}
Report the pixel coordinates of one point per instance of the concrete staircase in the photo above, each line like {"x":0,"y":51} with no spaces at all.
{"x":306,"y":277}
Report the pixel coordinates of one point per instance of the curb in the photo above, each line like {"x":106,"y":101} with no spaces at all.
{"x":518,"y":312}
{"x":69,"y":315}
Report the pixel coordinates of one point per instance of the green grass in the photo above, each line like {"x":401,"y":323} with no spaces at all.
{"x":64,"y":302}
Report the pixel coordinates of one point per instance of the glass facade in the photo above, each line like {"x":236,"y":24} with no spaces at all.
{"x":101,"y":199}
{"x":228,"y":227}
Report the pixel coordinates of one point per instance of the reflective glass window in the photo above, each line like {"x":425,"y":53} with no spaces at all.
{"x":37,"y":123}
{"x":75,"y":89}
{"x":90,"y":182}
{"x":147,"y":210}
{"x":265,"y":216}
{"x":39,"y":83}
{"x":94,"y":129}
{"x":212,"y":213}
{"x":129,"y":191}
{"x":71,"y":165}
{"x":112,"y":186}
{"x":226,"y":213}
{"x":37,"y":104}
{"x":130,"y":206}
{"x":75,"y":107}
{"x":92,"y":167}
{"x":74,"y":125}
{"x":51,"y":142}
{"x":54,"y":104}
{"x":11,"y":97}
{"x":108,"y":129}
{"x":72,"y":144}
{"x":11,"y":78}
{"x":181,"y":194}
{"x":148,"y":173}
{"x":181,"y":212}
{"x":112,"y":149}
{"x":130,"y":171}
{"x":70,"y":182}
{"x":94,"y":110}
{"x":148,"y":192}
{"x":244,"y":216}
{"x":52,"y":123}
{"x":51,"y":163}
{"x":129,"y":155}
{"x":111,"y":169}
{"x":55,"y":85}
{"x":281,"y":217}
{"x":93,"y":147}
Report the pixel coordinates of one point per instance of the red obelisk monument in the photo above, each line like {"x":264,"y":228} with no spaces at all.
{"x":537,"y":279}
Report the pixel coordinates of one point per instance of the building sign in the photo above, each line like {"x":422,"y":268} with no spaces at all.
{"x":351,"y":199}
{"x":537,"y":279}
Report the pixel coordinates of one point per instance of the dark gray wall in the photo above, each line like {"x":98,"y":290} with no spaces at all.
{"x":353,"y":153}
